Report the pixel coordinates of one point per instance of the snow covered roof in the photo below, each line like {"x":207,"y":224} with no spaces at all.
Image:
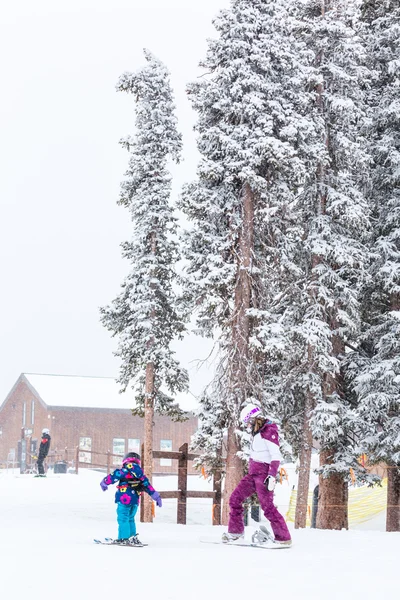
{"x":82,"y":392}
{"x":74,"y":391}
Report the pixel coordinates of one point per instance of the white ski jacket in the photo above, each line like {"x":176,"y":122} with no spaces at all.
{"x":265,"y":445}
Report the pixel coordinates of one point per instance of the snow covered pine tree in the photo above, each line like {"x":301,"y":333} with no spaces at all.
{"x":252,"y":131}
{"x":335,"y":217}
{"x":377,"y":379}
{"x":145,"y":316}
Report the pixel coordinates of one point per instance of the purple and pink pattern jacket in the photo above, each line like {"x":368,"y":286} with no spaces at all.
{"x":131,"y":481}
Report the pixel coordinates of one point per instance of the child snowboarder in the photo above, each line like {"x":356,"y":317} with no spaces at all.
{"x":43,"y":451}
{"x":264,"y":463}
{"x":131,"y":481}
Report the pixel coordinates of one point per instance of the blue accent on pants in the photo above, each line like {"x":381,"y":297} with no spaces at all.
{"x":126,"y":520}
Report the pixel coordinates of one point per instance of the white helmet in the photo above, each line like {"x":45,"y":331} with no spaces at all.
{"x":45,"y":430}
{"x":249,"y":412}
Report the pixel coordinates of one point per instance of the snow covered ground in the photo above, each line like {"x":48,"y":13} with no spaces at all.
{"x":46,"y":549}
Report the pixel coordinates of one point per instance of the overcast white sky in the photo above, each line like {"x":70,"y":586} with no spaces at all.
{"x":61,"y":166}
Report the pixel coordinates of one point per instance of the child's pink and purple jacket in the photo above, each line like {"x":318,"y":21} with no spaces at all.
{"x":131,"y":481}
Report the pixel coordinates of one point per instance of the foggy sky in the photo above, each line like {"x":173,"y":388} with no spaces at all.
{"x":61,"y":167}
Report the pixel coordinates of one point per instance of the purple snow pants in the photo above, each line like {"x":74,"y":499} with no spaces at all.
{"x":254,"y":482}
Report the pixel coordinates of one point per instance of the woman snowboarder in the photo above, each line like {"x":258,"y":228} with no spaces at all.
{"x":265,"y":458}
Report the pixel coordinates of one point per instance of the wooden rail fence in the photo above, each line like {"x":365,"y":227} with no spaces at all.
{"x":181,"y":494}
{"x":98,"y":463}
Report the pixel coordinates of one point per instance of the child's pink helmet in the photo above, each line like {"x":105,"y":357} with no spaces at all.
{"x":131,"y":457}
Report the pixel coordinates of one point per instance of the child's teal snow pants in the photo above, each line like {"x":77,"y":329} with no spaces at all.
{"x":126,"y":520}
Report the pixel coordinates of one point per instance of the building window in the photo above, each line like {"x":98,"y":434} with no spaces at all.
{"x":24,"y":414}
{"x":34,"y":447}
{"x":33,"y":412}
{"x":118,"y":448}
{"x":166,"y":445}
{"x":134,"y":446}
{"x":85,"y":443}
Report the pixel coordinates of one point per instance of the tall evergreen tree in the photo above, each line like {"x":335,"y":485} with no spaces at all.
{"x":254,"y":138}
{"x":377,"y":377}
{"x":335,"y":220}
{"x":144,"y":315}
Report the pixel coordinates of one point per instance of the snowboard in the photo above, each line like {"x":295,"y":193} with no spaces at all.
{"x":244,"y":543}
{"x":110,"y":542}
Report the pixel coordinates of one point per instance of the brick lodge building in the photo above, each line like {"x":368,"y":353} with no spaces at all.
{"x":84,"y":412}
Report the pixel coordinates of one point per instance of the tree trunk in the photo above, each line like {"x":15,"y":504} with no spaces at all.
{"x":332,"y":498}
{"x":234,"y":472}
{"x":393,"y":499}
{"x":149,"y":417}
{"x":393,"y":492}
{"x":303,"y":485}
{"x":243,"y":292}
{"x":240,"y":341}
{"x":300,"y":520}
{"x":148,"y":439}
{"x":333,"y":490}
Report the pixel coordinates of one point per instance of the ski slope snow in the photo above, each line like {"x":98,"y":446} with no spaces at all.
{"x":46,"y":550}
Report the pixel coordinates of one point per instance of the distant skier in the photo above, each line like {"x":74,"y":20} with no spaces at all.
{"x":264,"y":463}
{"x":43,"y":451}
{"x":131,"y":481}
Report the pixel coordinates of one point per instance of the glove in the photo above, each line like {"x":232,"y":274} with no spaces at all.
{"x":103,"y":486}
{"x":270,"y":483}
{"x":157,"y":498}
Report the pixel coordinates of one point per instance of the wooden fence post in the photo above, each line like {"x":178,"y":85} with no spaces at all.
{"x":182,"y":484}
{"x":77,"y":460}
{"x":217,"y":485}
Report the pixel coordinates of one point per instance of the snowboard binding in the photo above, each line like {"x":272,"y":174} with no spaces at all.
{"x":262,"y":536}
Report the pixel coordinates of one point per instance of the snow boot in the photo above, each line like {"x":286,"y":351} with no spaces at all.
{"x":134,"y":541}
{"x":231,"y":538}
